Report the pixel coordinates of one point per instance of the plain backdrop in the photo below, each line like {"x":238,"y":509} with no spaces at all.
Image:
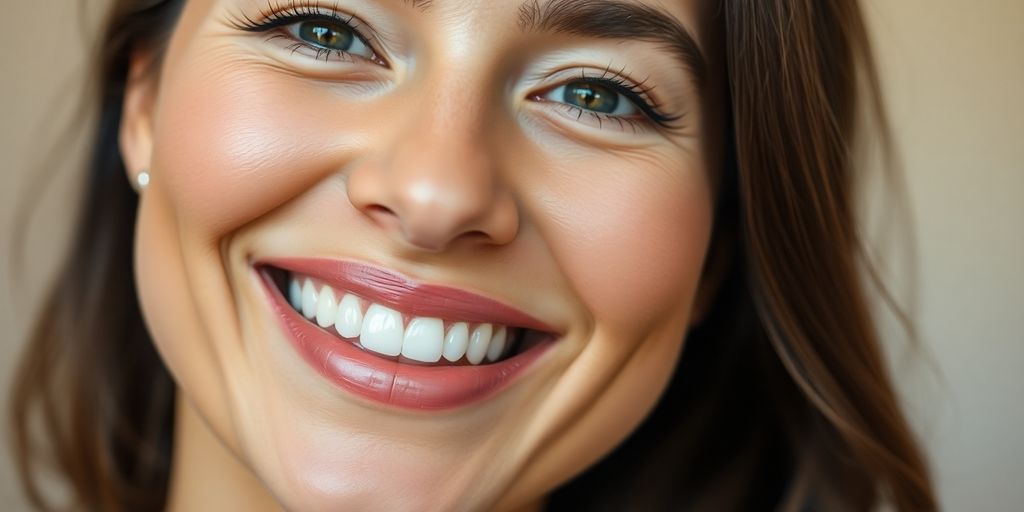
{"x":953,"y":74}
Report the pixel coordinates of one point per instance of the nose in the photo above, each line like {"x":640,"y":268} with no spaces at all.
{"x":436,"y":185}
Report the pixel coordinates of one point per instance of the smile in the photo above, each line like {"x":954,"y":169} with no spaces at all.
{"x":398,"y":342}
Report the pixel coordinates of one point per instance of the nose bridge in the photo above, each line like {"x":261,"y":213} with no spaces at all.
{"x":440,"y":179}
{"x":444,"y":141}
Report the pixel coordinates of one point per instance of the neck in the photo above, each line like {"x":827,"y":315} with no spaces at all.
{"x":205,"y":475}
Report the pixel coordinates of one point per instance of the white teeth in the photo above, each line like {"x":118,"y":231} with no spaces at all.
{"x":326,"y":307}
{"x":478,"y":343}
{"x":423,"y":340}
{"x":308,"y":300}
{"x":456,"y":341}
{"x":497,"y":346}
{"x":295,"y":293}
{"x":349,"y":319}
{"x":382,"y":330}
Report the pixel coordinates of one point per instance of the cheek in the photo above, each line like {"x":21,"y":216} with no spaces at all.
{"x":633,"y":239}
{"x":244,"y":141}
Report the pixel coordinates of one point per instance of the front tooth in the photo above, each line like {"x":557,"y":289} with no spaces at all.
{"x":349,"y":319}
{"x":456,"y":341}
{"x":295,"y":294}
{"x":382,"y":330}
{"x":497,"y":345}
{"x":326,"y":307}
{"x":478,"y":342}
{"x":308,"y":299}
{"x":423,"y":339}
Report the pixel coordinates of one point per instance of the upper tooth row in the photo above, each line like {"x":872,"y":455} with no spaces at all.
{"x":381,"y":329}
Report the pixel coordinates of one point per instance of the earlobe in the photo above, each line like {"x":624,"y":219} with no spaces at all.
{"x":135,"y":136}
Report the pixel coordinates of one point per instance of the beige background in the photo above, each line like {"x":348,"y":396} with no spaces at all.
{"x":954,"y":75}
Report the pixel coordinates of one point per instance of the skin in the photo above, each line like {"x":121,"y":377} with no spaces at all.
{"x":440,"y":167}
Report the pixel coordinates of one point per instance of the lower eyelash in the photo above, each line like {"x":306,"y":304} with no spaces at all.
{"x":324,"y":53}
{"x":636,"y":125}
{"x":281,"y":13}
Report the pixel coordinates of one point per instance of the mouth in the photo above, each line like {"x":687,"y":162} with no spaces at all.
{"x":398,"y":342}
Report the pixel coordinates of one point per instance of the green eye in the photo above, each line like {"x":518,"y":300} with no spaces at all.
{"x":327,"y":35}
{"x":605,"y":98}
{"x":591,"y":96}
{"x":594,"y":97}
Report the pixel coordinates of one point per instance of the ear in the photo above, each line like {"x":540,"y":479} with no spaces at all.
{"x":135,"y":136}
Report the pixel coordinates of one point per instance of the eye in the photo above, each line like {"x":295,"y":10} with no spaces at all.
{"x":594,"y":97}
{"x":331,"y":36}
{"x":323,"y":33}
{"x":608,"y":97}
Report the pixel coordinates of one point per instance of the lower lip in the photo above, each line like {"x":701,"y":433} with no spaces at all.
{"x":390,"y":382}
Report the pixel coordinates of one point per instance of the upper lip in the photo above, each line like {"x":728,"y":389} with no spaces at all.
{"x":407,"y":295}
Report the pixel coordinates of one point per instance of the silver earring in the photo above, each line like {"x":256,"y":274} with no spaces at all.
{"x":141,"y":180}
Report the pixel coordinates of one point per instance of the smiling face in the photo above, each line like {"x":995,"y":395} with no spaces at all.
{"x":351,"y":200}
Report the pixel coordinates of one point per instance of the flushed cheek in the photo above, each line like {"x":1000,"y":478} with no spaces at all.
{"x":630,"y":236}
{"x":236,"y":140}
{"x":634,"y":239}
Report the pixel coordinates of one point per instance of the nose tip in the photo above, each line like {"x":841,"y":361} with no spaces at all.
{"x":431,"y":203}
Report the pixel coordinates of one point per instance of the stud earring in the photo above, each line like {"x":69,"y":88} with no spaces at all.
{"x":141,"y":180}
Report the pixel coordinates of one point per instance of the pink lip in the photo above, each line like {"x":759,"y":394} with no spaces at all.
{"x":387,"y":381}
{"x":401,"y":293}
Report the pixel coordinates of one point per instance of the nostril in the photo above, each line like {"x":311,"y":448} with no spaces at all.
{"x":376,"y":209}
{"x":429,"y":210}
{"x":383,"y":216}
{"x":476,"y":235}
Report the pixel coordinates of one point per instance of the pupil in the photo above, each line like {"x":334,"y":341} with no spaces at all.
{"x":591,"y":97}
{"x":326,"y":35}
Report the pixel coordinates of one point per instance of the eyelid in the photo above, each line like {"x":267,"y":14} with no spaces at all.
{"x":279,"y":15}
{"x":636,"y":93}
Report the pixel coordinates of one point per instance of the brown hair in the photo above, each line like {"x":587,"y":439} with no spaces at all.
{"x":781,"y":398}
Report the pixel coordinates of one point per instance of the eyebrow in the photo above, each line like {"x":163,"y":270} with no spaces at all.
{"x":615,"y":19}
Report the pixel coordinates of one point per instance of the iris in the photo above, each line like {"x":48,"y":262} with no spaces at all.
{"x":332,"y":36}
{"x":591,"y":96}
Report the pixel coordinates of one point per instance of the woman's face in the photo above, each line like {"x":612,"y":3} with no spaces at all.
{"x":434,"y":255}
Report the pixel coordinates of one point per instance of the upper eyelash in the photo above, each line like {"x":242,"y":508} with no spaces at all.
{"x":279,"y":14}
{"x":636,"y":94}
